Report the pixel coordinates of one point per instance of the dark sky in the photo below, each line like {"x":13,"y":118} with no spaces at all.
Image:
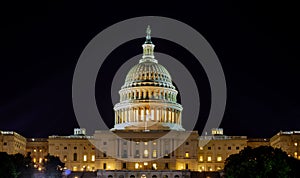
{"x":257,"y":44}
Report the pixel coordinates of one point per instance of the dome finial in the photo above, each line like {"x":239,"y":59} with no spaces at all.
{"x":148,"y":37}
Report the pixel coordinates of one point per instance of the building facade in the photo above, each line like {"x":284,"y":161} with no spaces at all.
{"x":288,"y":141}
{"x":12,"y":142}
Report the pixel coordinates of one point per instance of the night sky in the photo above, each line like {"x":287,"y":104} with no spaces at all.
{"x":257,"y":44}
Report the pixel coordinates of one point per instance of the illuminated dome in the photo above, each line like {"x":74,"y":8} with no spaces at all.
{"x":148,"y":97}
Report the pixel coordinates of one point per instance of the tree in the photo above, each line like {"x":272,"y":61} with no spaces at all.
{"x":15,"y":166}
{"x":261,"y":162}
{"x":53,"y":166}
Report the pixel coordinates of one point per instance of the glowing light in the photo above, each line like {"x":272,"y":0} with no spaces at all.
{"x":209,"y":158}
{"x":93,"y":157}
{"x":187,"y":154}
{"x":84,"y":158}
{"x":219,"y":158}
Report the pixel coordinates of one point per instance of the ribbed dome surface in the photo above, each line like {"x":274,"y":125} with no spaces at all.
{"x":148,"y":73}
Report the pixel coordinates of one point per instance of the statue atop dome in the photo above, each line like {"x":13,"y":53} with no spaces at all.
{"x":148,"y":37}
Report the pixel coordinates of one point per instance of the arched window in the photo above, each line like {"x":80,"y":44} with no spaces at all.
{"x":165,"y":176}
{"x":176,"y":176}
{"x":154,"y":176}
{"x":132,"y":176}
{"x":110,"y":176}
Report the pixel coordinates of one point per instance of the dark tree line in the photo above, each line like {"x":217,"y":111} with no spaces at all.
{"x":262,"y":162}
{"x":20,"y":166}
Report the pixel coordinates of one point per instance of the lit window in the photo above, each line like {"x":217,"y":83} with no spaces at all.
{"x":136,"y":165}
{"x":84,"y":158}
{"x":187,"y":154}
{"x":154,"y":166}
{"x":201,"y":158}
{"x":145,"y":163}
{"x":40,"y":160}
{"x":74,"y":168}
{"x":154,"y":154}
{"x":34,"y":150}
{"x":93,"y":157}
{"x":137,"y":143}
{"x":296,"y":144}
{"x":201,"y":148}
{"x":40,"y":150}
{"x":146,"y":143}
{"x":209,"y":158}
{"x":146,"y":153}
{"x":154,"y":143}
{"x":295,"y":154}
{"x":34,"y":160}
{"x":219,"y":158}
{"x":210,"y":169}
{"x":65,"y":158}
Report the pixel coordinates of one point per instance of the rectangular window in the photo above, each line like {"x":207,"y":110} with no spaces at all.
{"x":229,"y":148}
{"x":104,"y":154}
{"x":187,"y":154}
{"x":136,"y":165}
{"x":93,"y":158}
{"x":137,"y":153}
{"x":104,"y":165}
{"x":237,"y":148}
{"x":209,"y":148}
{"x":65,"y":158}
{"x":209,"y":158}
{"x":65,"y":148}
{"x":154,"y":166}
{"x":186,"y":166}
{"x":201,"y":158}
{"x":84,"y":158}
{"x":166,"y":165}
{"x":4,"y":143}
{"x":75,"y":148}
{"x":124,"y":166}
{"x":145,"y":143}
{"x":154,"y":153}
{"x":201,"y":148}
{"x":146,"y":153}
{"x":104,"y":143}
{"x":219,"y":158}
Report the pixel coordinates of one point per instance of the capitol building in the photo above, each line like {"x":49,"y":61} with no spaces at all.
{"x":147,"y":140}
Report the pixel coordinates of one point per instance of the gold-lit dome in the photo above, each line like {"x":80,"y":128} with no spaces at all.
{"x":148,"y":73}
{"x":148,"y":99}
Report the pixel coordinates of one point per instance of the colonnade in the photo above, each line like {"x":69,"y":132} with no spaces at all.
{"x":142,"y":114}
{"x":142,"y":93}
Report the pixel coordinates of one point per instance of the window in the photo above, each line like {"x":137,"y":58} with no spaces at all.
{"x":84,"y":147}
{"x":229,"y":148}
{"x":75,"y":148}
{"x":237,"y":148}
{"x":201,"y":148}
{"x":154,"y":153}
{"x":146,"y":153}
{"x":34,"y":150}
{"x":219,"y":158}
{"x":104,"y":143}
{"x":34,"y":160}
{"x":219,"y":148}
{"x":209,"y":148}
{"x":4,"y":143}
{"x":104,"y":165}
{"x":154,"y":143}
{"x":65,"y":157}
{"x":296,"y":144}
{"x":166,"y":165}
{"x":124,"y":165}
{"x":75,"y":157}
{"x":186,"y":143}
{"x":65,"y":148}
{"x":136,"y":165}
{"x":154,"y":166}
{"x":137,"y":143}
{"x":186,"y":166}
{"x":187,"y":154}
{"x":146,"y":143}
{"x":201,"y":158}
{"x":124,"y":143}
{"x":93,"y":158}
{"x":209,"y":158}
{"x":104,"y":154}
